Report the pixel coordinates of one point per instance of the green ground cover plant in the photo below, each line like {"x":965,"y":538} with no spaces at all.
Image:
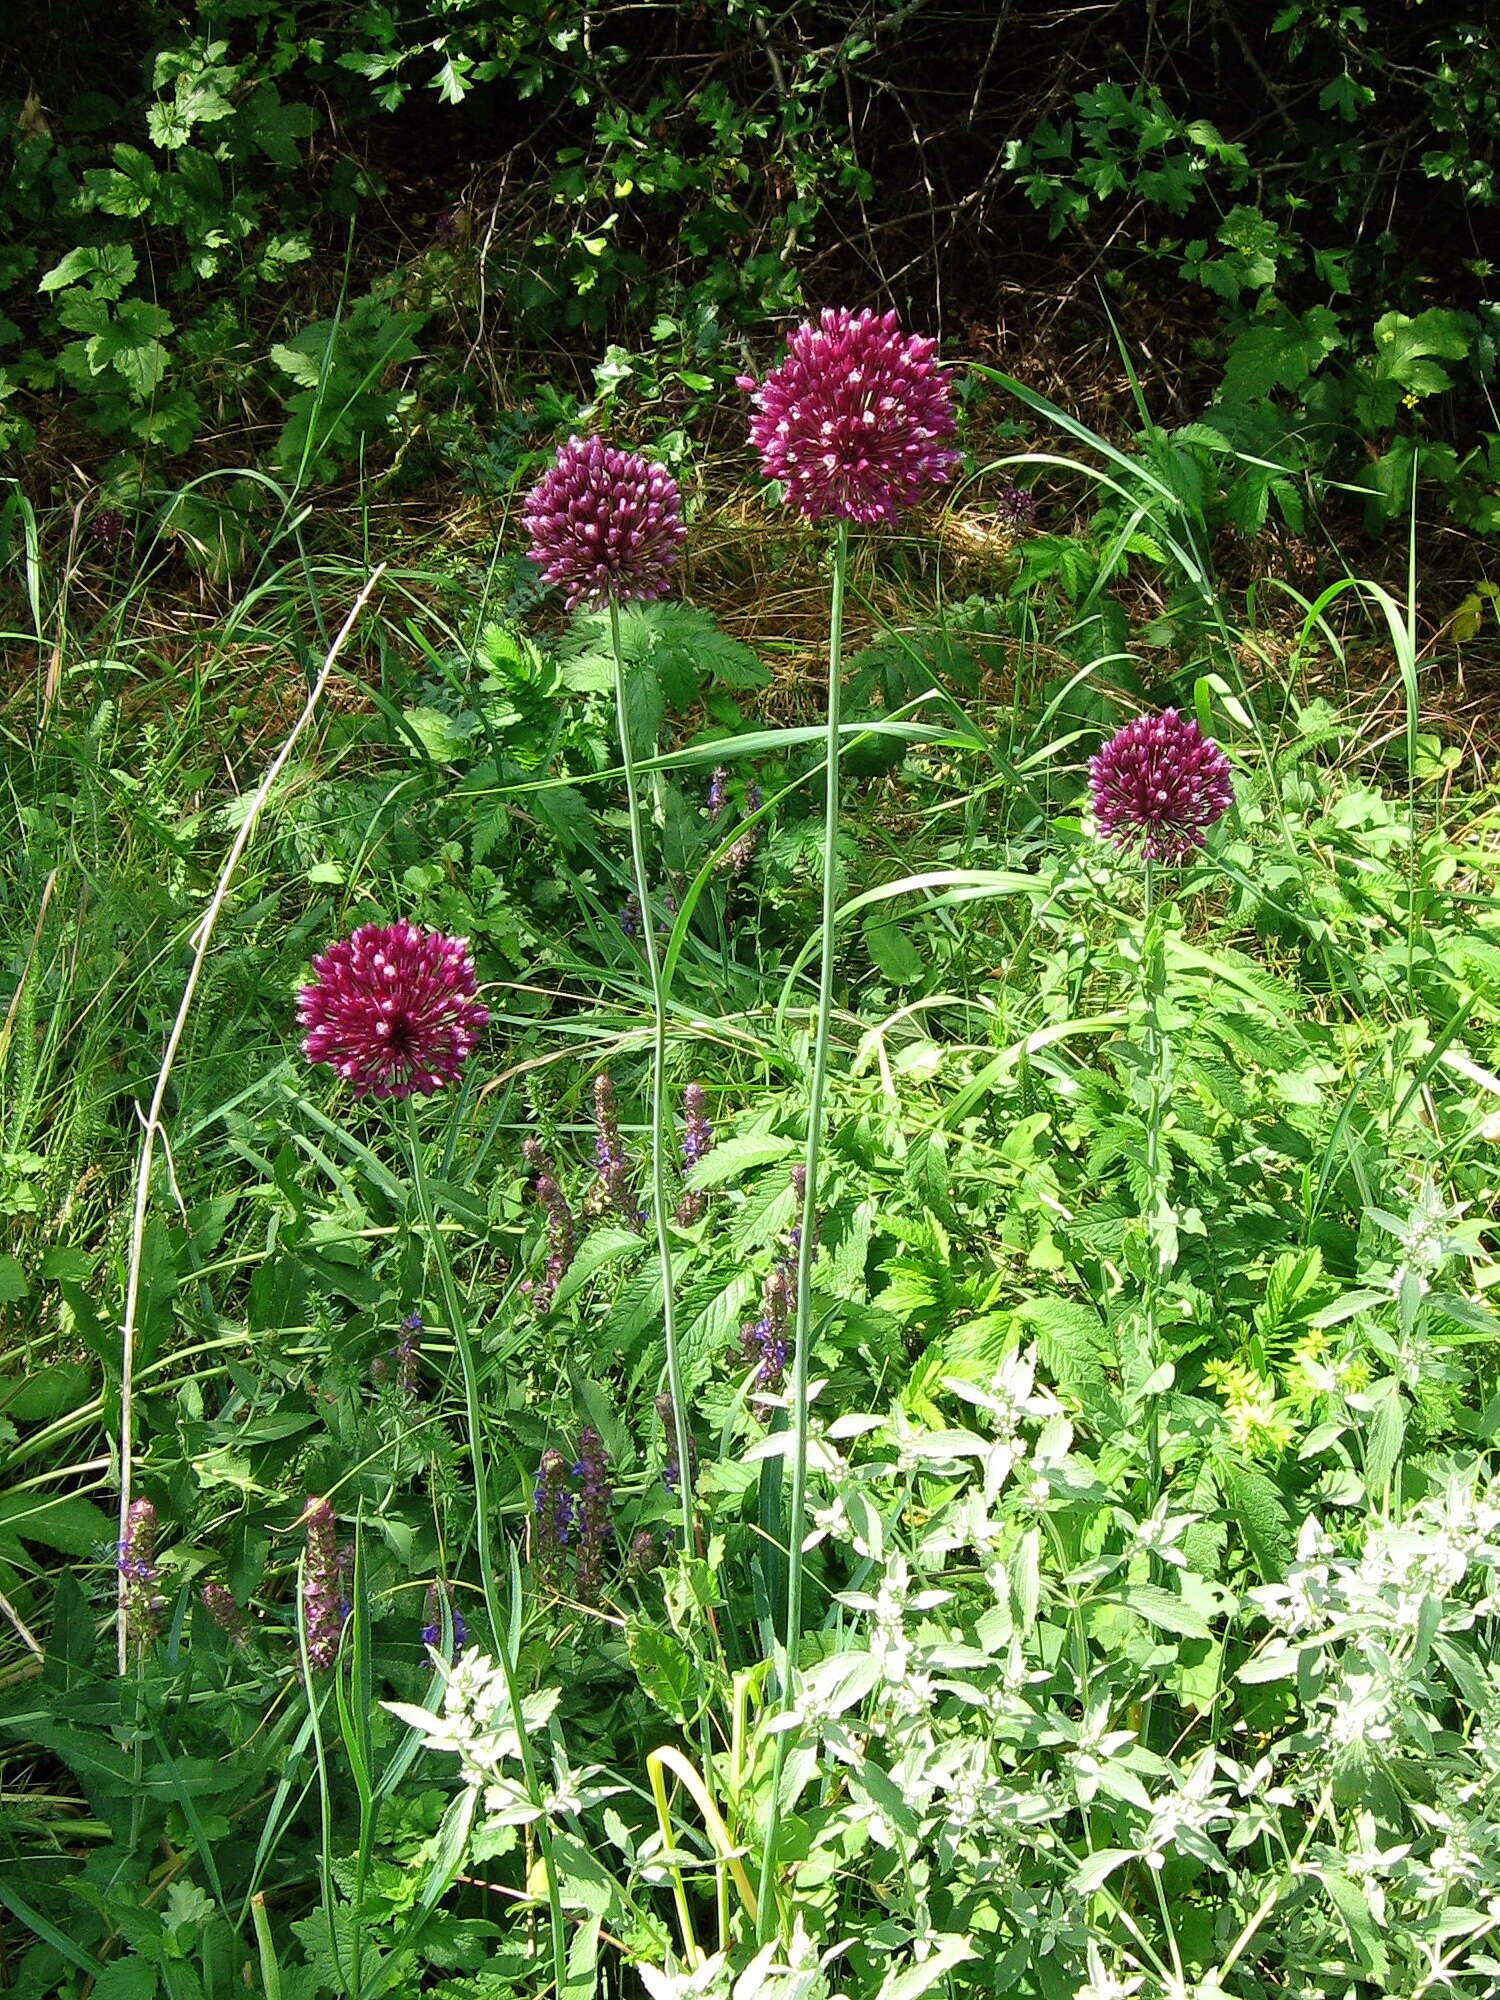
{"x":877,"y":1377}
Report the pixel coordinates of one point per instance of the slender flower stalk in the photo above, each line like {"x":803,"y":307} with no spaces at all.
{"x":562,"y":1231}
{"x":439,"y":1599}
{"x":660,"y":1116}
{"x":855,"y":422}
{"x":499,"y":1627}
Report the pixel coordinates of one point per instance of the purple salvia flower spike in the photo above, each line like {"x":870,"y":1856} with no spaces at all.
{"x":136,"y":1562}
{"x":594,"y":1503}
{"x":323,"y":1606}
{"x":220,"y":1604}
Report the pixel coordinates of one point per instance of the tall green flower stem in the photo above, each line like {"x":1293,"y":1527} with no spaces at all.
{"x":1161,"y":1223}
{"x":807,"y":1221}
{"x":660,"y":1113}
{"x":458,"y":1325}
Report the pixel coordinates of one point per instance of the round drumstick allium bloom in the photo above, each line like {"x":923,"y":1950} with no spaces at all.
{"x":391,"y":1010}
{"x":1162,"y":782}
{"x":604,"y":523}
{"x":854,"y":421}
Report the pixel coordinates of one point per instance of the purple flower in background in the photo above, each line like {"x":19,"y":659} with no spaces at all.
{"x":671,"y":1471}
{"x":853,"y":422}
{"x":697,"y":1143}
{"x":562,"y":1233}
{"x":609,"y":1153}
{"x":716,"y":792}
{"x":764,"y":1340}
{"x":391,"y":1010}
{"x":135,"y":1559}
{"x":643,"y":1554}
{"x":409,"y":1356}
{"x":108,"y":530}
{"x":1015,"y":509}
{"x":630,"y":917}
{"x":323,"y":1605}
{"x":741,"y":852}
{"x":604,"y":523}
{"x":220,"y":1604}
{"x":594,"y":1502}
{"x":432,"y":1631}
{"x":552,"y":1505}
{"x":1162,"y":782}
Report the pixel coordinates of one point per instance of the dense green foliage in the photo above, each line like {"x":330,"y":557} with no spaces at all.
{"x":1152,"y":1576}
{"x":1306,"y":194}
{"x":1148,"y":1627}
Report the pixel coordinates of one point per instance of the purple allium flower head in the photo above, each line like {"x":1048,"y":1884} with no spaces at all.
{"x":594,"y":1502}
{"x":1015,"y":509}
{"x":1161,"y":781}
{"x":108,"y":530}
{"x":391,"y":1010}
{"x":853,"y":422}
{"x":552,"y":1504}
{"x":432,"y":1631}
{"x":604,"y":523}
{"x":220,"y":1604}
{"x":135,"y":1560}
{"x":323,"y":1606}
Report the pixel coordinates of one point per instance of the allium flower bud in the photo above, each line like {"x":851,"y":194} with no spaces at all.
{"x":136,"y":1562}
{"x":323,"y":1606}
{"x":604,"y":523}
{"x":219,"y":1602}
{"x":109,"y":529}
{"x":853,"y":421}
{"x":391,"y":1010}
{"x":1160,"y":781}
{"x":1015,"y":509}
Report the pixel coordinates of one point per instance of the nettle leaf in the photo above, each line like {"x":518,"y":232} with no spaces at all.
{"x":132,"y":345}
{"x":127,"y":189}
{"x":107,"y":268}
{"x":1254,"y":1504}
{"x":608,"y":1245}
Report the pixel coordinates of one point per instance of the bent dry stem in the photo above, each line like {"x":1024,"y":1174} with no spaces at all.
{"x":811,"y":1160}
